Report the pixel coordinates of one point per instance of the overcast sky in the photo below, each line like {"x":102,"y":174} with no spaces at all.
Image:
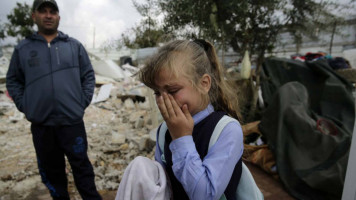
{"x":110,"y":18}
{"x":79,"y":18}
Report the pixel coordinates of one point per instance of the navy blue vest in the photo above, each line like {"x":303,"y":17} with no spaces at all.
{"x":201,"y":137}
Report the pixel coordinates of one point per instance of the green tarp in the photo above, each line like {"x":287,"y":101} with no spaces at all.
{"x":308,"y":125}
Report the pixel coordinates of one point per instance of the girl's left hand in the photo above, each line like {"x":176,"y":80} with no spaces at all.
{"x":179,"y":121}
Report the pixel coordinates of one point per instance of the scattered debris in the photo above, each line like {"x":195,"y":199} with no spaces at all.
{"x":118,"y":125}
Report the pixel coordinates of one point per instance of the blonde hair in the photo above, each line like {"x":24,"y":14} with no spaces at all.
{"x":198,"y":58}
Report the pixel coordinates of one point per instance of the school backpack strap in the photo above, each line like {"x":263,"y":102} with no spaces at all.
{"x":218,"y":129}
{"x":247,"y":188}
{"x":161,"y":138}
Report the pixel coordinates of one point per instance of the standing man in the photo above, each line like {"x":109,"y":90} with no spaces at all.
{"x":51,"y":81}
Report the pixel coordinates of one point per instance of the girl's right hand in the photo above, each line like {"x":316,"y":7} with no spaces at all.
{"x":179,"y":121}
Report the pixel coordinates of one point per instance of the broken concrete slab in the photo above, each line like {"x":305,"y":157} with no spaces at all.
{"x":104,"y":93}
{"x":129,"y":104}
{"x":102,"y":80}
{"x":117,"y":138}
{"x":108,"y":68}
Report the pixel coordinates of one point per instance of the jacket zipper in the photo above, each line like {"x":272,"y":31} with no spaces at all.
{"x":50,"y":65}
{"x":57,"y":54}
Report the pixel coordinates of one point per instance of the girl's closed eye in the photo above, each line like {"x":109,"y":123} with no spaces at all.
{"x":173,"y":91}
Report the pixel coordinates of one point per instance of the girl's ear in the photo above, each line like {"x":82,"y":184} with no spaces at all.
{"x":205,"y":82}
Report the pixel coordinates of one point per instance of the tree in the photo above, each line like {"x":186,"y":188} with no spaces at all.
{"x":251,"y":25}
{"x":307,"y":18}
{"x":187,"y":17}
{"x":20,"y":21}
{"x":334,"y":15}
{"x":143,"y":37}
{"x":2,"y":31}
{"x":245,"y":24}
{"x":301,"y":18}
{"x":147,"y":33}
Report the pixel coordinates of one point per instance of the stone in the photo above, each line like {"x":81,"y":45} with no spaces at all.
{"x":117,"y":138}
{"x":153,"y":134}
{"x":129,"y":104}
{"x":145,"y":143}
{"x":112,"y":174}
{"x":144,"y":105}
{"x":139,"y":123}
{"x":5,"y":185}
{"x":136,"y":115}
{"x":124,"y":147}
{"x":112,"y":185}
{"x":25,"y":186}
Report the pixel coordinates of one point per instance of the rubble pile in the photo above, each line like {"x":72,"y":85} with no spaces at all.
{"x":118,"y":129}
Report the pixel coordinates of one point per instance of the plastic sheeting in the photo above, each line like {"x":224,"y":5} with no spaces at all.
{"x":308,"y":124}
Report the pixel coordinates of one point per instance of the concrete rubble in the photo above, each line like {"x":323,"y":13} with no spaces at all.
{"x":119,"y":128}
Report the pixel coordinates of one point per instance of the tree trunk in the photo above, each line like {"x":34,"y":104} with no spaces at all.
{"x":332,"y":38}
{"x":298,"y":42}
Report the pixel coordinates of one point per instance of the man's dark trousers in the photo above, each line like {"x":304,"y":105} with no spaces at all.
{"x":52,"y":143}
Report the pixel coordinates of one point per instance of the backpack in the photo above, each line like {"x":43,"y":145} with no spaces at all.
{"x":247,"y":188}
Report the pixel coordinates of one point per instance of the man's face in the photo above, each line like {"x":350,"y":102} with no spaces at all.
{"x":46,"y":17}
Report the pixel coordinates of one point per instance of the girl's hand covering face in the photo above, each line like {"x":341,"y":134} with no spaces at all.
{"x":179,"y":121}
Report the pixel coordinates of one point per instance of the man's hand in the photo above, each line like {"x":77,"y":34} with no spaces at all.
{"x":179,"y":121}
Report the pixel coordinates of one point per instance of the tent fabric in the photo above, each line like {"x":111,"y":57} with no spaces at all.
{"x":308,"y":125}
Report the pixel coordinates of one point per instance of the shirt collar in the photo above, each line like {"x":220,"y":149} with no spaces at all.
{"x":202,"y":114}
